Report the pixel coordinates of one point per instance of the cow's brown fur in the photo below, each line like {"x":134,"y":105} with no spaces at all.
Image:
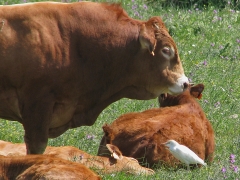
{"x":45,"y":167}
{"x":140,"y":135}
{"x":112,"y":164}
{"x":61,"y":64}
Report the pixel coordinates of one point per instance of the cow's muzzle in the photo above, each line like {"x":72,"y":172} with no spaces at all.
{"x":181,"y":84}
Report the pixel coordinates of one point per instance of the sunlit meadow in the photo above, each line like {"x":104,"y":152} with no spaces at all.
{"x":208,"y":41}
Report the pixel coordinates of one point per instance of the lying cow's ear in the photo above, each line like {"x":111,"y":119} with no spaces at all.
{"x":108,"y":134}
{"x":115,"y":152}
{"x":196,"y":91}
{"x":147,"y":39}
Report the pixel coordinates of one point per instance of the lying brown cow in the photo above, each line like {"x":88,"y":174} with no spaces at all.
{"x":112,"y":164}
{"x":61,"y":64}
{"x":141,"y":135}
{"x":45,"y":167}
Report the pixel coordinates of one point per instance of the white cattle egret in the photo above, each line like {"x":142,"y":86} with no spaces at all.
{"x":183,"y":153}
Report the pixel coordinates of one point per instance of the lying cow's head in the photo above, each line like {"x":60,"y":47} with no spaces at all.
{"x":161,"y":56}
{"x":185,"y":97}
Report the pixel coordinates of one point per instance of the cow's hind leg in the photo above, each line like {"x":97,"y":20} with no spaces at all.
{"x":36,"y":120}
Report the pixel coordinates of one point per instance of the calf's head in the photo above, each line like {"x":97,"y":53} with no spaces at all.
{"x":126,"y":164}
{"x":187,"y":96}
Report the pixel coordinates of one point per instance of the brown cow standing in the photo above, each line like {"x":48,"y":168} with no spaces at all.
{"x":112,"y":164}
{"x":61,"y":64}
{"x":140,"y":135}
{"x":45,"y":167}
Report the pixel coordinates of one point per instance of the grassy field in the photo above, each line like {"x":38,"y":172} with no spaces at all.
{"x":208,"y":40}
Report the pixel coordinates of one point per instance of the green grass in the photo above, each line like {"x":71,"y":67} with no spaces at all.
{"x":209,"y":46}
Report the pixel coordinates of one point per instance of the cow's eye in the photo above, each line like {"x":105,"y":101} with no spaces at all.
{"x":167,"y":52}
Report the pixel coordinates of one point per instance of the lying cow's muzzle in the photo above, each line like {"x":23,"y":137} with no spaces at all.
{"x":181,"y":84}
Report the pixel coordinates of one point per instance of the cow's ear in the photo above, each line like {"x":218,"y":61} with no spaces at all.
{"x":107,"y":130}
{"x":108,"y":134}
{"x":115,"y":152}
{"x":196,"y":91}
{"x":147,"y":38}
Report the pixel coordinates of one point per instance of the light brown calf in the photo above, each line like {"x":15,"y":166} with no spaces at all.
{"x":46,"y":167}
{"x":114,"y":163}
{"x":140,"y":135}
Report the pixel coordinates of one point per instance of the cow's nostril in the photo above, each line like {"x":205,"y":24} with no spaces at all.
{"x":185,"y":85}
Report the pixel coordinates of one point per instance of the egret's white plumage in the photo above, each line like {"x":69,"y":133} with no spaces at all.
{"x":183,"y":153}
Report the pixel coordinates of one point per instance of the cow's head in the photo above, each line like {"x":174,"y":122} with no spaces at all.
{"x":163,"y":67}
{"x":127,"y":164}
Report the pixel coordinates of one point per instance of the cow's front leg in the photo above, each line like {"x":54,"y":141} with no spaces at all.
{"x":36,"y":120}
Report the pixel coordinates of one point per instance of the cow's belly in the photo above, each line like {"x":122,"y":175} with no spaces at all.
{"x":62,"y":113}
{"x":9,"y":105}
{"x":10,"y":109}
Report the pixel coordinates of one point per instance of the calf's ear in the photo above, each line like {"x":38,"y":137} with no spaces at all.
{"x":147,"y":38}
{"x":108,"y":133}
{"x":196,"y":91}
{"x":115,"y":152}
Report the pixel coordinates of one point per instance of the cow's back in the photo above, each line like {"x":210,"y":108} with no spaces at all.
{"x":8,"y":148}
{"x":42,"y":166}
{"x":48,"y":31}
